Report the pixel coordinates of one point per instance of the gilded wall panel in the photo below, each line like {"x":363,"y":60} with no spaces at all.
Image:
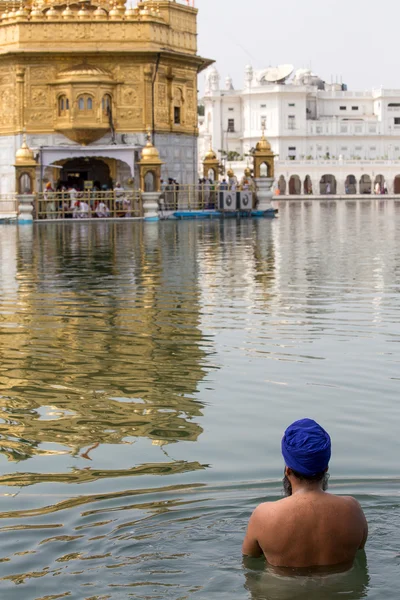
{"x":131,"y":116}
{"x":129,"y":96}
{"x":41,"y":73}
{"x":161,"y":95}
{"x":7,"y":105}
{"x":130,"y":74}
{"x":39,"y":96}
{"x":39,"y":118}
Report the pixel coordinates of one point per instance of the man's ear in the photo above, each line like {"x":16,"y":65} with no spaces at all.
{"x":288,"y":472}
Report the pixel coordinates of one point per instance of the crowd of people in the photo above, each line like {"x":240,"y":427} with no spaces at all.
{"x":102,"y":201}
{"x":72,"y":203}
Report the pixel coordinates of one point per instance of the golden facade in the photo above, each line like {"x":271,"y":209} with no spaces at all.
{"x":90,"y":69}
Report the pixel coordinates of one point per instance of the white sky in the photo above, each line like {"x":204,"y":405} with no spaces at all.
{"x":356,"y":39}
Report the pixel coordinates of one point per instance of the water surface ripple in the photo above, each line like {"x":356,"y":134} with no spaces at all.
{"x":147,"y":372}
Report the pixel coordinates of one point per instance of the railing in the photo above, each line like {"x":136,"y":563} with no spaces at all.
{"x":87,"y":205}
{"x":8,"y":206}
{"x":190,"y":197}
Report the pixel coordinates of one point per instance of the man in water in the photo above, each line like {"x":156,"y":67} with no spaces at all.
{"x":308,"y":528}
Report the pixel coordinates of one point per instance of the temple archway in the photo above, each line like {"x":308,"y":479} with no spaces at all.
{"x":379,"y":184}
{"x":76,"y":171}
{"x":365,"y":184}
{"x":327,"y":185}
{"x":294,"y":185}
{"x":282,"y":185}
{"x":350,"y":185}
{"x":308,"y":185}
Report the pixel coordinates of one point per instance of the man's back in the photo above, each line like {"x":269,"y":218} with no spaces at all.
{"x":307,"y":529}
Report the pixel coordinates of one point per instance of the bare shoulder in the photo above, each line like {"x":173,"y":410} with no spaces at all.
{"x":352,"y":503}
{"x":269,"y":508}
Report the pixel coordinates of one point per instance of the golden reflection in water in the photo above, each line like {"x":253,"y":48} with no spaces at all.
{"x":101,"y":343}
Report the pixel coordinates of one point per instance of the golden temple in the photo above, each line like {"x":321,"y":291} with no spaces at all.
{"x":90,"y":77}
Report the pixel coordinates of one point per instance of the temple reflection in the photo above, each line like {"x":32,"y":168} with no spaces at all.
{"x":106,"y":345}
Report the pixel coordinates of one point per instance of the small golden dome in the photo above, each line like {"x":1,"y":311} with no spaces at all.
{"x":247,"y":172}
{"x":131,"y":13}
{"x":52,"y":14}
{"x":230,"y":173}
{"x":36,"y":13}
{"x":84,"y":71}
{"x":210,"y":155}
{"x":263,"y":145}
{"x":11,"y":14}
{"x":114,"y":13}
{"x":68,"y":13}
{"x":100,"y":13}
{"x":22,"y":13}
{"x":24,"y":154}
{"x":84,"y":14}
{"x":4,"y":16}
{"x":150,"y":153}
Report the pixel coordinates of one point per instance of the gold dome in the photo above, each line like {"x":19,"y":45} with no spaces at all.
{"x":100,"y":13}
{"x":67,"y":13}
{"x":36,"y":13}
{"x":263,"y":145}
{"x":83,"y":72}
{"x":247,"y":172}
{"x":150,"y":153}
{"x":230,"y":173}
{"x":24,"y":155}
{"x":12,"y":13}
{"x":114,"y":13}
{"x":84,"y":14}
{"x":22,"y":13}
{"x":210,"y":155}
{"x":131,"y":13}
{"x":52,"y":14}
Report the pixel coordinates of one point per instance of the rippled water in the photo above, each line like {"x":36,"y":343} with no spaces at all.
{"x":147,"y":372}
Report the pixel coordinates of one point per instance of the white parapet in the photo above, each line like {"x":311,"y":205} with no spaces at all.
{"x":264,"y":193}
{"x":151,"y":205}
{"x":25,"y":208}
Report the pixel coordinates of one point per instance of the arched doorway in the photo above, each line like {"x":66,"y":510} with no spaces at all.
{"x":327,"y":185}
{"x":282,"y":185}
{"x":294,"y":185}
{"x":77,"y":171}
{"x":350,"y":185}
{"x":365,"y":184}
{"x":308,"y":185}
{"x":379,"y":184}
{"x":397,"y":184}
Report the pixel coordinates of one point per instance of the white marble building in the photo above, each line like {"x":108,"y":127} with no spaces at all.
{"x":327,"y":139}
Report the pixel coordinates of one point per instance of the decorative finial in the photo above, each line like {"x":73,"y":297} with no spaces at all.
{"x":148,"y":135}
{"x":263,"y":128}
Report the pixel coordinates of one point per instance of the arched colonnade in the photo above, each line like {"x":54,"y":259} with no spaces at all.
{"x":330,"y":185}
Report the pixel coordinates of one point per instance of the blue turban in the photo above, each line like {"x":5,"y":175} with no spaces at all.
{"x":306,"y":447}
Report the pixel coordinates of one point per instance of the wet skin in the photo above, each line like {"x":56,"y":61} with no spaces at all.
{"x":310,"y":528}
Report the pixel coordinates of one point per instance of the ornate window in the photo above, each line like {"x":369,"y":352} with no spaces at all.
{"x":85,"y":103}
{"x":106,"y":104}
{"x":63,"y":106}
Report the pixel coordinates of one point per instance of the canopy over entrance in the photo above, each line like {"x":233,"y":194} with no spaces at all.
{"x":51,"y":154}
